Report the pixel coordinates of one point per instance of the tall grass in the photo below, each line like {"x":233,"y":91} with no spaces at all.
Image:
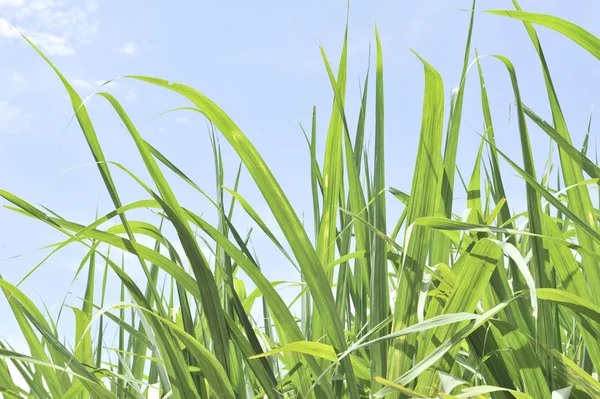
{"x":440,"y":303}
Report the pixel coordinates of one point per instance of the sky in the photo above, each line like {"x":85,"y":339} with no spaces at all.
{"x":260,"y":62}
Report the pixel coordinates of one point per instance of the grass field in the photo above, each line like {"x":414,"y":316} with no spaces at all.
{"x":439,"y":303}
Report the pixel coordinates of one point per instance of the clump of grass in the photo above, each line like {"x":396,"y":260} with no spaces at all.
{"x":424,"y":306}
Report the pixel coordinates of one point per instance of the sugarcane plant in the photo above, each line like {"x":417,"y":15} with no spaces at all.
{"x":440,"y":303}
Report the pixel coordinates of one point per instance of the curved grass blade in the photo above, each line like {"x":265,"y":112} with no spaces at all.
{"x":306,"y":256}
{"x":204,"y":277}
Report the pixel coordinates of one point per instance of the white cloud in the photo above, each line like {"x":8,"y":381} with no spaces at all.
{"x":53,"y":25}
{"x":51,"y":44}
{"x":72,"y":23}
{"x":17,"y":77}
{"x":92,"y":5}
{"x":8,"y":115}
{"x":11,"y":3}
{"x":81,"y":84}
{"x":42,"y":4}
{"x":47,"y":42}
{"x":130,"y":96}
{"x":127,"y":48}
{"x":8,"y":30}
{"x":181,"y":120}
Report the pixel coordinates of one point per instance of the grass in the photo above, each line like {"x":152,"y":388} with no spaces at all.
{"x":432,"y":305}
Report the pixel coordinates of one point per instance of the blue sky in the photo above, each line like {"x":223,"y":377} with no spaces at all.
{"x":260,"y":62}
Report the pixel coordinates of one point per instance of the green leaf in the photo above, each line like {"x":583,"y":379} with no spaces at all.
{"x":424,"y":201}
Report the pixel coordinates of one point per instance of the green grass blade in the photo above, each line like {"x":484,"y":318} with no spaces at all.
{"x":452,"y":136}
{"x":92,"y":140}
{"x":473,"y":270}
{"x":574,"y":32}
{"x":204,"y":277}
{"x":424,"y":201}
{"x":379,"y":291}
{"x":287,"y":219}
{"x":579,"y":199}
{"x":541,"y":269}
